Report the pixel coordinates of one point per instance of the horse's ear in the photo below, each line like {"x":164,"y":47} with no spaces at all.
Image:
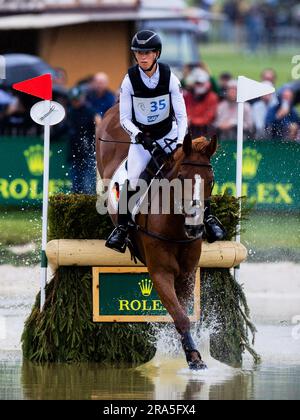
{"x":187,"y":144}
{"x":212,"y":146}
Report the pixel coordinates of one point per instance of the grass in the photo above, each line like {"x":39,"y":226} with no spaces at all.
{"x":19,"y":227}
{"x":272,"y":237}
{"x":227,"y":57}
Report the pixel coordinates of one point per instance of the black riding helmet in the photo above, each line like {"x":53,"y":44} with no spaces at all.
{"x":146,"y":40}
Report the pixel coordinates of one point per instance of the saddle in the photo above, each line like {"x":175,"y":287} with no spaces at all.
{"x":152,"y":171}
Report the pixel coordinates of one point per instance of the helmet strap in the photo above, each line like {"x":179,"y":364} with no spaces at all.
{"x":151,"y":67}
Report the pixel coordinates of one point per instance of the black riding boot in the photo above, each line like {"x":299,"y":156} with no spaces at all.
{"x":117,"y":239}
{"x":214,"y":230}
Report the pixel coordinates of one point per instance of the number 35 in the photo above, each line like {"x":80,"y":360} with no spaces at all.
{"x":161,"y":104}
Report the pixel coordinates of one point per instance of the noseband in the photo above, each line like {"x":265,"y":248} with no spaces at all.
{"x":191,"y":163}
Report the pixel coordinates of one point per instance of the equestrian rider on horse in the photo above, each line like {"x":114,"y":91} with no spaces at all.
{"x":152,"y":108}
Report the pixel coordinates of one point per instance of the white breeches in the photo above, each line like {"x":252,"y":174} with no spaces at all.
{"x":138,"y":158}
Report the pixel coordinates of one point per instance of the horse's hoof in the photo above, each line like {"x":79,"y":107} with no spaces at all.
{"x":197,"y":365}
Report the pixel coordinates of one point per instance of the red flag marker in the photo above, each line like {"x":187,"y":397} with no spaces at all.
{"x":40,"y":87}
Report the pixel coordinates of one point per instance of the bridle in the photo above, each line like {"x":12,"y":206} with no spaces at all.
{"x":192,"y":163}
{"x":200,"y":165}
{"x":179,"y":241}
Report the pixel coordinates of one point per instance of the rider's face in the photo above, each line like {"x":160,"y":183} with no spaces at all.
{"x":145,"y":59}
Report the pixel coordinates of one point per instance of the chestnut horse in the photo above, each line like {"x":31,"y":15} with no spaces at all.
{"x":172,"y":263}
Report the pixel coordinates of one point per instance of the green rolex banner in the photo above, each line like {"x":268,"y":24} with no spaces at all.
{"x":22,"y":166}
{"x":271,"y":173}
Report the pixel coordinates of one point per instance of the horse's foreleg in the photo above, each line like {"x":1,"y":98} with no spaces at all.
{"x":184,"y":286}
{"x":164,"y":284}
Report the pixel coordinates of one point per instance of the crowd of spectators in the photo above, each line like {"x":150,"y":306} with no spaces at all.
{"x":84,"y":104}
{"x":211,"y":107}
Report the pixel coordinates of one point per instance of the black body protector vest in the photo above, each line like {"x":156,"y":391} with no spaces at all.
{"x":152,"y":110}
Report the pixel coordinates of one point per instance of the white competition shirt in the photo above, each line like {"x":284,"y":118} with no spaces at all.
{"x":177,"y":99}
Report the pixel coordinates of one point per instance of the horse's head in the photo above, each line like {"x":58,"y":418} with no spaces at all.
{"x":193,"y":163}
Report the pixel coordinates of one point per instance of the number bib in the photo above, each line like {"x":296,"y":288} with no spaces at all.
{"x":150,"y":111}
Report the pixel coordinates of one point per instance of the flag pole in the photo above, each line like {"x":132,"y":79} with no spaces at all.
{"x":45,"y":113}
{"x":239,"y":172}
{"x":247,"y":89}
{"x":44,"y":261}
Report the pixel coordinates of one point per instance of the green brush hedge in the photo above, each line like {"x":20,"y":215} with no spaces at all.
{"x":64,"y":332}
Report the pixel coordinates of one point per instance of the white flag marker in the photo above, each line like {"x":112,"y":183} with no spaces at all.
{"x":247,"y":89}
{"x":46,"y":113}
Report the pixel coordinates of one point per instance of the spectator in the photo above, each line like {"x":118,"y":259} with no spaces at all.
{"x":206,"y":4}
{"x":16,"y":117}
{"x":201,"y":103}
{"x":294,"y":132}
{"x":100,"y":98}
{"x":6,"y":99}
{"x":186,"y":73}
{"x":60,"y":77}
{"x":281,"y":116}
{"x":81,"y":121}
{"x":255,"y":28}
{"x":232,"y":22}
{"x":259,"y":112}
{"x":226,"y":122}
{"x":270,"y":23}
{"x":224,"y":79}
{"x":269,"y":75}
{"x":190,"y":69}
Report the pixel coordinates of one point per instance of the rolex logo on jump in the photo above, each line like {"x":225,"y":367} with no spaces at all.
{"x":146,"y":286}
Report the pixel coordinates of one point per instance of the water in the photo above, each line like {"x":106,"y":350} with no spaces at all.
{"x":166,"y":377}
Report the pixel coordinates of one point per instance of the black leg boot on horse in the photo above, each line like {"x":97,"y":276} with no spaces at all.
{"x":118,"y":238}
{"x":193,"y":357}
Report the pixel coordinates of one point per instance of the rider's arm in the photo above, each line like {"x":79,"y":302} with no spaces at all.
{"x":126,"y":109}
{"x":179,"y":107}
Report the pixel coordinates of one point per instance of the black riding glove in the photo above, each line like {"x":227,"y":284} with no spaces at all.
{"x":145,"y":141}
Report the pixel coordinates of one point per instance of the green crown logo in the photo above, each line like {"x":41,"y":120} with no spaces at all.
{"x":35,"y":159}
{"x":146,"y":286}
{"x":251,"y":161}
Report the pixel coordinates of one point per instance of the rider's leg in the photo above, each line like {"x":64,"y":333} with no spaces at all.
{"x":138,"y":159}
{"x":117,"y":239}
{"x":214,"y":229}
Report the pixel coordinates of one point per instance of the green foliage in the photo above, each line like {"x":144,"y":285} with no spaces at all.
{"x":74,"y":216}
{"x":65,"y":332}
{"x":226,"y":314}
{"x":226,"y":208}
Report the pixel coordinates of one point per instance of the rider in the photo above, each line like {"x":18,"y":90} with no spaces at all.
{"x":151,"y":108}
